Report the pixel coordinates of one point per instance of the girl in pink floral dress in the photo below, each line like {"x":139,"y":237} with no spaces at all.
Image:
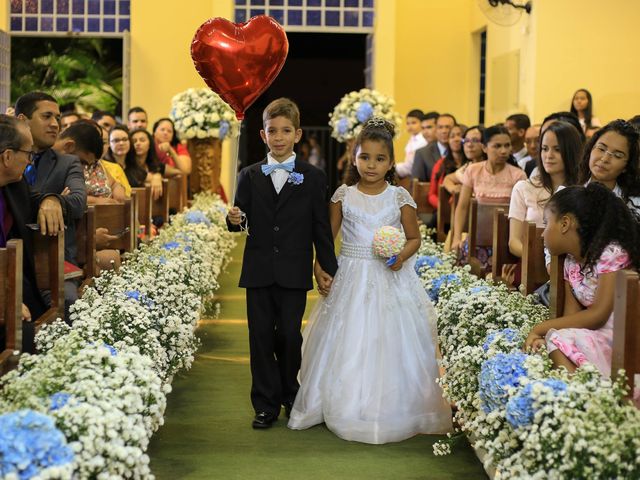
{"x":599,"y":236}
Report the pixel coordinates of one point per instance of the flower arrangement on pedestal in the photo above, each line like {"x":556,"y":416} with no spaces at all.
{"x":201,"y":113}
{"x":357,"y":107}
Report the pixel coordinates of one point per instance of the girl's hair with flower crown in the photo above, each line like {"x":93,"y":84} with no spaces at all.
{"x":375,"y":129}
{"x":603,"y":218}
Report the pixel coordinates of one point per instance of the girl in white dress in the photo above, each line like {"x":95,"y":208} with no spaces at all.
{"x":369,"y":365}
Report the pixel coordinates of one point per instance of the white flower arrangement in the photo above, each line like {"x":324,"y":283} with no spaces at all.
{"x":201,"y":113}
{"x":104,"y":380}
{"x":543,"y":424}
{"x":357,"y":107}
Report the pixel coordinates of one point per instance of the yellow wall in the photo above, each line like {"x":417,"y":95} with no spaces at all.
{"x":161,"y":65}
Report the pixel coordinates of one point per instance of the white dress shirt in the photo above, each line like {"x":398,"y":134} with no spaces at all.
{"x":279,"y":177}
{"x":520,"y":155}
{"x":415,"y":142}
{"x":443,"y":149}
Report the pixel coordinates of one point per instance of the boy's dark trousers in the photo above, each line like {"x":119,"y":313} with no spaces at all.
{"x":277,"y":271}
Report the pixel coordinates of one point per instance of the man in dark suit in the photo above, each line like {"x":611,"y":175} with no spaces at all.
{"x":54,"y":172}
{"x":19,"y":207}
{"x":283,"y":204}
{"x":426,"y":157}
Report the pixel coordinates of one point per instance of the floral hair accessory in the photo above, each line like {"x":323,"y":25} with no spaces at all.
{"x":296,"y":178}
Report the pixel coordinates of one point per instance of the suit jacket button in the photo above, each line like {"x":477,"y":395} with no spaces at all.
{"x":275,"y":249}
{"x":276,"y":228}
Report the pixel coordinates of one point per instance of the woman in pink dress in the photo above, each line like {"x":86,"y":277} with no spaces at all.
{"x":599,"y":236}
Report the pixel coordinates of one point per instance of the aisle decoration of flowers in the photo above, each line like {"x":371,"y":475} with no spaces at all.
{"x":533,"y":422}
{"x":97,"y":390}
{"x":356,"y":107}
{"x":201,"y":113}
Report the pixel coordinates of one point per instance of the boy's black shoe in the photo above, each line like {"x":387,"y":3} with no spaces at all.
{"x":264,"y":420}
{"x":288,"y":406}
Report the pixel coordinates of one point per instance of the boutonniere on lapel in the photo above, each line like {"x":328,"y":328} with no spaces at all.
{"x":296,"y":178}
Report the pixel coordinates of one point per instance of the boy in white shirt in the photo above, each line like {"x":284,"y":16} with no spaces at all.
{"x":416,"y":141}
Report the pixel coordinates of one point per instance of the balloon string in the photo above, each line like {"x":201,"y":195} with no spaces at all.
{"x":234,"y":167}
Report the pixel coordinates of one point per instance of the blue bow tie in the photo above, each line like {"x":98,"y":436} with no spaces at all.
{"x":288,"y":166}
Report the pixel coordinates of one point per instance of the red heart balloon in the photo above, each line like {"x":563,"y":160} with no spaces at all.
{"x":239,"y":61}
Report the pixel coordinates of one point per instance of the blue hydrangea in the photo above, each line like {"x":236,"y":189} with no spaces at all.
{"x":343,"y":125}
{"x":497,"y":374}
{"x":187,"y":248}
{"x":170,"y":245}
{"x":29,"y":443}
{"x":365,"y":110}
{"x":437,"y":283}
{"x":430,"y":261}
{"x":111,"y":349}
{"x":223,"y":129}
{"x":136,"y":295}
{"x":520,"y":411}
{"x":509,"y":334}
{"x":479,"y":289}
{"x":197,"y":216}
{"x":59,"y":400}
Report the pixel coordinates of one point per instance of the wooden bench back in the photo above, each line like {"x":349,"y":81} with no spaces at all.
{"x":160,"y":207}
{"x":534,"y":270}
{"x":556,"y":289}
{"x":48,"y":253}
{"x":86,"y":242}
{"x":443,"y":214}
{"x":143,"y":201}
{"x":626,"y":326}
{"x":177,"y":193}
{"x":406,"y":183}
{"x":117,"y":217}
{"x":481,"y":224}
{"x":420,"y":195}
{"x":11,"y":303}
{"x":501,"y":254}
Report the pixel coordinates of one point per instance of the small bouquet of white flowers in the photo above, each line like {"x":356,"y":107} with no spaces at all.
{"x":201,"y":113}
{"x":355,"y":108}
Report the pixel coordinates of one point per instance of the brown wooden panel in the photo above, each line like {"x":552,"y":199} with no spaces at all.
{"x":534,"y":270}
{"x":443,"y":214}
{"x":160,"y":207}
{"x":49,"y":264}
{"x":501,"y":254}
{"x":115,"y":218}
{"x":86,"y":243}
{"x":11,"y":302}
{"x":626,"y":327}
{"x":406,"y":183}
{"x":143,"y":200}
{"x":177,"y":193}
{"x":421,"y":197}
{"x":556,"y":292}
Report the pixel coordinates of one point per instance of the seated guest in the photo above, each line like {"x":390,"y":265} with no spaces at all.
{"x":490,"y":181}
{"x":426,"y":157}
{"x":18,"y":207}
{"x":416,"y":141}
{"x":114,"y":158}
{"x":142,"y":165}
{"x":169,"y":150}
{"x":137,"y":118}
{"x":54,"y":172}
{"x":531,"y":141}
{"x":517,"y":125}
{"x":106,"y":120}
{"x":612,"y":158}
{"x":68,"y":118}
{"x":452,"y":161}
{"x":582,"y":107}
{"x":560,"y":154}
{"x":473,"y":152}
{"x":428,"y":126}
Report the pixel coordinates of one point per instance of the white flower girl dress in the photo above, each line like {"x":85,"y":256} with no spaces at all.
{"x":369,"y":353}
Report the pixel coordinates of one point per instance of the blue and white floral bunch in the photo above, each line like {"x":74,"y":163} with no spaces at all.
{"x":356,"y":107}
{"x":104,"y":381}
{"x":201,"y":113}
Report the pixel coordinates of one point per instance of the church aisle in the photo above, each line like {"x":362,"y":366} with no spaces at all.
{"x":207,"y":432}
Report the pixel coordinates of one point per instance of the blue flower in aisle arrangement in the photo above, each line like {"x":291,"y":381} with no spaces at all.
{"x":133,"y":294}
{"x":112,"y":350}
{"x":296,"y":178}
{"x":508,"y":334}
{"x":497,"y":375}
{"x":197,"y":216}
{"x":201,"y":113}
{"x":30,"y":445}
{"x":364,"y":112}
{"x":430,"y":261}
{"x":479,"y":289}
{"x":520,"y":408}
{"x":437,"y":283}
{"x":59,"y":400}
{"x":171,"y":245}
{"x":357,"y":107}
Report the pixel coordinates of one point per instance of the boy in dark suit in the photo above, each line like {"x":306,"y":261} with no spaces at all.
{"x":283,"y":205}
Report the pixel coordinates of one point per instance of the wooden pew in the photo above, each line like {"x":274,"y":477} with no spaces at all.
{"x":49,"y":264}
{"x":556,"y":291}
{"x":626,"y":327}
{"x":501,"y":254}
{"x":119,"y":219}
{"x":480,"y":232}
{"x":534,"y":271}
{"x":406,"y":183}
{"x":144,"y":202}
{"x":444,"y":219}
{"x":160,"y":207}
{"x":420,"y":195}
{"x":11,"y":303}
{"x":177,"y":193}
{"x":86,"y":242}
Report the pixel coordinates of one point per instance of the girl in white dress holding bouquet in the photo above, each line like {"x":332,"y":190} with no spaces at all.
{"x":369,"y":364}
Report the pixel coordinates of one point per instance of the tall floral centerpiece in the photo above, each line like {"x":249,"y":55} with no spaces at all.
{"x":203,"y":119}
